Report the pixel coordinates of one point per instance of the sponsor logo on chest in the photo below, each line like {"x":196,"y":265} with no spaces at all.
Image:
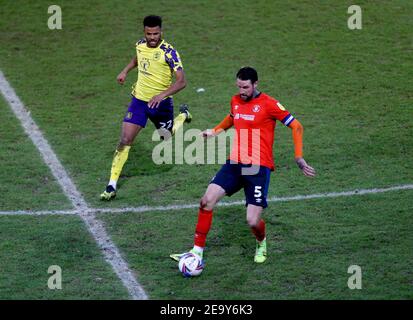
{"x":248,"y":117}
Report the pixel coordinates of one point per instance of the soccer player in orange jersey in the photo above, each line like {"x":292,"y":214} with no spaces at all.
{"x":253,"y":115}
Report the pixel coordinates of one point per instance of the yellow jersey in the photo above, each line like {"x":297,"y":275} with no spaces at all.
{"x":155,"y":69}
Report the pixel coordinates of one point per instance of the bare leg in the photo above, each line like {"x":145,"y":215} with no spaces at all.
{"x":128,"y":135}
{"x":212,"y":195}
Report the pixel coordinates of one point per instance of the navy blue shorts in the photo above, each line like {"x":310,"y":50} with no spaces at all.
{"x":231,"y":178}
{"x":162,"y":116}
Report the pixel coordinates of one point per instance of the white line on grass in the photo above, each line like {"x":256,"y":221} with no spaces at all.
{"x":96,"y":228}
{"x":272,"y":199}
{"x":39,"y":213}
{"x":357,"y":192}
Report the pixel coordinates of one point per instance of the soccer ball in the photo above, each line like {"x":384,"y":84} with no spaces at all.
{"x":190,"y":265}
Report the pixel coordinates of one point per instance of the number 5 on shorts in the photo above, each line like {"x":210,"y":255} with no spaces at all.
{"x":257,"y":192}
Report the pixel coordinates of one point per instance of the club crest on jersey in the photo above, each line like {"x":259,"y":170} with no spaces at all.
{"x":256,"y":108}
{"x":156,"y":55}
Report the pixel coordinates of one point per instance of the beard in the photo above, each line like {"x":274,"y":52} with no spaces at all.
{"x":152,"y":43}
{"x":245,"y":97}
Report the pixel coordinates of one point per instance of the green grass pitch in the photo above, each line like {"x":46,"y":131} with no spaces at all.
{"x":351,"y":90}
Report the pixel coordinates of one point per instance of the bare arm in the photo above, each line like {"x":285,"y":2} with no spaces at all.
{"x":178,"y":85}
{"x":122,"y":75}
{"x":298,"y":130}
{"x":225,"y":124}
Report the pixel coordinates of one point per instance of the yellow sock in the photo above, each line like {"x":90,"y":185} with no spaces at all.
{"x":178,"y":122}
{"x":118,"y":161}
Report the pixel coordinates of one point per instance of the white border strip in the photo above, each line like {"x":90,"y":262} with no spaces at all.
{"x":95,"y":227}
{"x":357,"y":192}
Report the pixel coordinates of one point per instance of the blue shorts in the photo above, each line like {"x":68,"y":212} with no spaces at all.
{"x":231,"y":179}
{"x":162,"y":116}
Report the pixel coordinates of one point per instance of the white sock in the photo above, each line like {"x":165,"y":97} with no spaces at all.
{"x":112,"y":183}
{"x":198,"y":249}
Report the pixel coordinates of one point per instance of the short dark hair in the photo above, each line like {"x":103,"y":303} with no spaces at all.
{"x":152,"y":21}
{"x":247,"y":73}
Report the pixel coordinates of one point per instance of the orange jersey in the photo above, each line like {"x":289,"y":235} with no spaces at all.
{"x":254,"y":123}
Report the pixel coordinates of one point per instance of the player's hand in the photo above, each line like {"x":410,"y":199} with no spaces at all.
{"x":305,"y":168}
{"x":155,"y":101}
{"x":208,"y":133}
{"x":121,"y":77}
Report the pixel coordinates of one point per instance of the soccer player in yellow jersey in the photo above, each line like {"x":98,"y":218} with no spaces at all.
{"x":157,"y":61}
